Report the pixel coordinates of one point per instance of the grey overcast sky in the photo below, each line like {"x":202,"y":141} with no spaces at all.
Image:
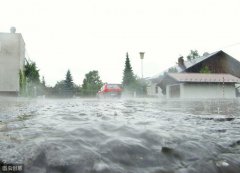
{"x":84,"y":35}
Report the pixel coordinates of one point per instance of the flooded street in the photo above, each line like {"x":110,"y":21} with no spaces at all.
{"x":120,"y":135}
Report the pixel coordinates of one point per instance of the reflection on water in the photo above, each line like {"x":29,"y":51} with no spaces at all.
{"x":119,"y":136}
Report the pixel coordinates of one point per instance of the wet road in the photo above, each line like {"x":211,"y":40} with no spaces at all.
{"x":121,"y":135}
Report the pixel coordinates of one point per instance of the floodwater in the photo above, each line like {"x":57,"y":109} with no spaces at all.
{"x":120,"y":135}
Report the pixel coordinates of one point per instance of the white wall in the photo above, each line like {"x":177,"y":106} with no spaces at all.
{"x":12,"y":53}
{"x":208,"y":91}
{"x":151,"y":90}
{"x":181,"y":85}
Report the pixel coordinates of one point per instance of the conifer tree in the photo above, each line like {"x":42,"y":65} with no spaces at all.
{"x":69,"y":81}
{"x":128,"y":76}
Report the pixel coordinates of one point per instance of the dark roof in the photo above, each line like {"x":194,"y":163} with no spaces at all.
{"x":188,"y":64}
{"x":195,"y":61}
{"x":203,"y":77}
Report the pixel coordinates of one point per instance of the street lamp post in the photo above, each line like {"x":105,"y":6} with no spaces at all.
{"x":141,"y":57}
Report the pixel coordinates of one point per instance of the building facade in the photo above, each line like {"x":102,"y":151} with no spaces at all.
{"x":196,"y":85}
{"x":153,"y":90}
{"x":217,"y":62}
{"x":12,"y":56}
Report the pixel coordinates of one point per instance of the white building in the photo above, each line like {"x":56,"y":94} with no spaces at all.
{"x":217,"y":62}
{"x":199,"y":85}
{"x":12,"y":55}
{"x":153,"y":90}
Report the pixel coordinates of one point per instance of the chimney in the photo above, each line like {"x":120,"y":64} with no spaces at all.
{"x":13,"y":30}
{"x":181,"y":63}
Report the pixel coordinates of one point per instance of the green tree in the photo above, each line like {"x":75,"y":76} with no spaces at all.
{"x":65,"y":88}
{"x":193,"y":55}
{"x":60,"y":88}
{"x":69,"y":83}
{"x":140,"y":87}
{"x":205,"y":69}
{"x":31,"y":72}
{"x":129,"y":79}
{"x":42,"y":89}
{"x":131,"y":83}
{"x":77,"y":90}
{"x":172,"y":70}
{"x":22,"y":83}
{"x":91,"y":83}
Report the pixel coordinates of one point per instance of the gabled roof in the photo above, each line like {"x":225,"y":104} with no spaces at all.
{"x":193,"y":62}
{"x":203,"y":77}
{"x":188,"y":64}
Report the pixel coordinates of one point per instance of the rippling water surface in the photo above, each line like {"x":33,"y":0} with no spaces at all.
{"x":120,"y":136}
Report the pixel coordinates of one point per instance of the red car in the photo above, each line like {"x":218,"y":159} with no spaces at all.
{"x":110,"y":90}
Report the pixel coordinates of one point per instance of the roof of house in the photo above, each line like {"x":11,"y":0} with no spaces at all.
{"x":195,"y":61}
{"x":188,"y":64}
{"x":203,"y":77}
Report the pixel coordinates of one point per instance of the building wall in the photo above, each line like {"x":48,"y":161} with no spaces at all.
{"x":12,"y":54}
{"x":174,"y":94}
{"x":208,"y":91}
{"x":154,"y":90}
{"x":188,"y":90}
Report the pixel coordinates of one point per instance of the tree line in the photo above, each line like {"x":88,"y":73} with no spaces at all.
{"x":31,"y":85}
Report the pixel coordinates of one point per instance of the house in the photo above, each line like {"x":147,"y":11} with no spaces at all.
{"x":153,"y":89}
{"x":199,"y":85}
{"x":12,"y":55}
{"x":218,"y":63}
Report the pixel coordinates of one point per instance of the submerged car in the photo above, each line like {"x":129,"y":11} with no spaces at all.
{"x":110,"y":90}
